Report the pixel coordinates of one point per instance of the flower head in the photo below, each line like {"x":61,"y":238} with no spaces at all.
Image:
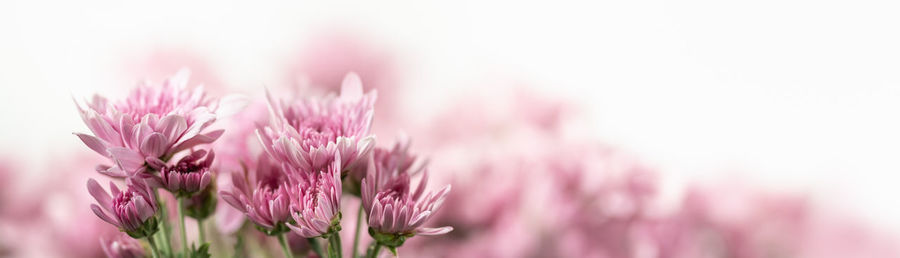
{"x":268,"y":204}
{"x":122,"y":246}
{"x":395,"y":211}
{"x":155,"y":121}
{"x":132,"y":210}
{"x":187,"y":177}
{"x":202,"y":204}
{"x":316,"y":207}
{"x":307,"y":134}
{"x":393,"y":161}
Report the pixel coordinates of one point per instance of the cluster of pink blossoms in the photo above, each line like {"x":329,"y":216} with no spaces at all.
{"x":158,"y":140}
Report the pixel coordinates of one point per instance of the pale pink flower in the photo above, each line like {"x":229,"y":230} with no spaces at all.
{"x":122,"y":246}
{"x":155,"y":121}
{"x":485,"y":214}
{"x":186,"y":177}
{"x":393,"y":208}
{"x":268,"y":203}
{"x":317,"y":204}
{"x":393,"y":161}
{"x":307,"y":134}
{"x":324,"y":62}
{"x":229,"y":220}
{"x":132,"y":210}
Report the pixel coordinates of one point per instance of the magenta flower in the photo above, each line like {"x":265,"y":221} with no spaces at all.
{"x":187,"y":177}
{"x":122,"y":246}
{"x":155,"y":121}
{"x":268,"y":204}
{"x":316,"y":206}
{"x":133,"y":210}
{"x":307,"y":134}
{"x":395,"y":211}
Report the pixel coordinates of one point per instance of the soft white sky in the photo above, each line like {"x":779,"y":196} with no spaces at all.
{"x":790,"y":94}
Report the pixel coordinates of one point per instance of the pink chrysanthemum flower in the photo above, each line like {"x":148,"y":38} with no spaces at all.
{"x":395,"y":211}
{"x":187,"y":177}
{"x":396,"y":160}
{"x":268,"y":204}
{"x":316,"y":206}
{"x":122,"y":246}
{"x":307,"y":134}
{"x":132,"y":210}
{"x":155,"y":121}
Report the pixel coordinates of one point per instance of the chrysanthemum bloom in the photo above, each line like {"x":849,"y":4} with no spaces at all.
{"x":132,"y":210}
{"x":268,"y":204}
{"x":185,"y":178}
{"x":316,"y":207}
{"x":307,"y":134}
{"x":394,"y":210}
{"x":122,"y":246}
{"x":395,"y":160}
{"x":155,"y":121}
{"x":201,"y":205}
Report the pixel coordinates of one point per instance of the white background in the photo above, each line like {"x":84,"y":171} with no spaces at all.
{"x":791,"y":95}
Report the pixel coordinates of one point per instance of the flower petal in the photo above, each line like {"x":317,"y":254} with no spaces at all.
{"x":94,"y":143}
{"x":433,"y":231}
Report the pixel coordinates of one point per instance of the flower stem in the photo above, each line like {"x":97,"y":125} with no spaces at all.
{"x":359,"y":216}
{"x":284,"y":245}
{"x":153,"y":246}
{"x":164,"y":217}
{"x":314,"y":245}
{"x":201,"y":230}
{"x":373,"y":250}
{"x":184,"y":245}
{"x":334,"y":245}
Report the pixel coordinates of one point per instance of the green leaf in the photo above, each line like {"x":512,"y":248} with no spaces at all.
{"x":201,"y":252}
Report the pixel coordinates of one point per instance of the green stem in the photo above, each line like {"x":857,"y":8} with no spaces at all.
{"x":314,"y":245}
{"x":334,"y":245}
{"x":153,"y":246}
{"x":373,"y":250}
{"x":359,"y":216}
{"x":164,"y":217}
{"x":201,"y":230}
{"x":184,"y":245}
{"x":284,"y":245}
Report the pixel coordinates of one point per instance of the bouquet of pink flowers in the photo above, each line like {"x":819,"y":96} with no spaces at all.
{"x":317,"y":151}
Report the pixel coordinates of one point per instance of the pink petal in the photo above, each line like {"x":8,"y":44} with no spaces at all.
{"x":172,"y":126}
{"x":127,"y":159}
{"x":99,"y":194}
{"x":154,"y":145}
{"x":103,"y":216}
{"x":94,"y":143}
{"x":197,"y":140}
{"x":351,"y":88}
{"x":433,"y":231}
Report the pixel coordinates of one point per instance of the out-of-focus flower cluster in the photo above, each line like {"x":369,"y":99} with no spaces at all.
{"x":299,"y":172}
{"x":536,"y":192}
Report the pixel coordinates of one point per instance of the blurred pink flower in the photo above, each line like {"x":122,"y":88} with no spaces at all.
{"x":133,"y":210}
{"x":228,"y":219}
{"x":161,"y":63}
{"x":153,"y":122}
{"x":121,"y":245}
{"x":396,"y":160}
{"x":325,"y":62}
{"x":307,"y":134}
{"x":188,"y":176}
{"x":316,"y":205}
{"x":485,"y":213}
{"x":268,"y":203}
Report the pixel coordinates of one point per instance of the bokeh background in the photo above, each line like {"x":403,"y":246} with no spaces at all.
{"x":796,"y":98}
